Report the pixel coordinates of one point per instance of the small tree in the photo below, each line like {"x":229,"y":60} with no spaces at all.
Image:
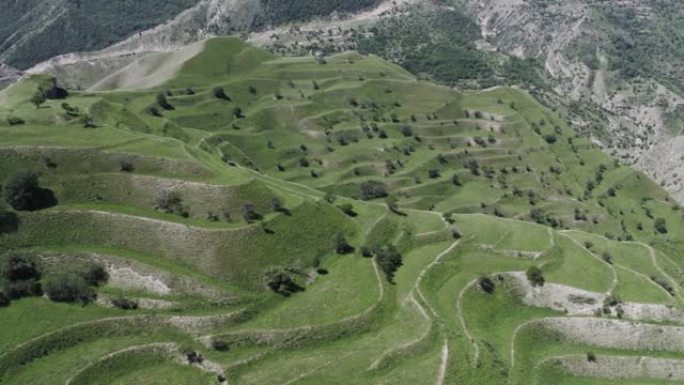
{"x":87,"y":121}
{"x":14,"y":121}
{"x":340,"y":244}
{"x":249,"y":213}
{"x":279,"y":281}
{"x":406,"y":130}
{"x":660,"y":225}
{"x":220,"y":93}
{"x":171,"y":202}
{"x":38,"y":98}
{"x":163,"y":102}
{"x":237,"y":113}
{"x":95,"y":274}
{"x":348,"y":209}
{"x":535,"y":276}
{"x":372,"y":190}
{"x":19,"y":276}
{"x":389,"y":259}
{"x":456,"y":180}
{"x":126,"y":166}
{"x":486,"y":284}
{"x":22,"y":191}
{"x":68,"y":287}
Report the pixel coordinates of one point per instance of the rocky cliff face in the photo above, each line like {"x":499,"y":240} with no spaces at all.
{"x":8,"y":75}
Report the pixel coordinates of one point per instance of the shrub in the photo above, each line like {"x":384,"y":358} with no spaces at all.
{"x":389,"y":259}
{"x":163,"y":102}
{"x":607,"y":257}
{"x":660,"y":225}
{"x":486,"y":284}
{"x":38,"y":98}
{"x":154,"y":111}
{"x":535,"y":276}
{"x":68,"y":287}
{"x":456,"y":180}
{"x":220,"y":93}
{"x":279,"y":281}
{"x":372,"y":190}
{"x":249,"y":213}
{"x":340,"y":244}
{"x":348,"y":209}
{"x":406,"y":130}
{"x":237,"y":113}
{"x":15,"y":121}
{"x":19,"y":276}
{"x":87,"y":121}
{"x":23,"y":192}
{"x":95,"y":274}
{"x":126,"y":166}
{"x":220,"y":345}
{"x":277,"y":206}
{"x":125,"y":303}
{"x":170,"y":202}
{"x":591,"y":357}
{"x":4,"y":299}
{"x":433,"y":173}
{"x":550,"y":138}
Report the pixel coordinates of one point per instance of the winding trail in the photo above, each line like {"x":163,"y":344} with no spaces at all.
{"x":443,"y":362}
{"x":461,"y":318}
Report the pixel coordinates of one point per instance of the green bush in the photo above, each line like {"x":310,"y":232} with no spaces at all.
{"x":68,"y":287}
{"x":535,"y":276}
{"x":389,"y":259}
{"x":660,"y":225}
{"x":19,"y":276}
{"x":373,"y":190}
{"x":22,"y":191}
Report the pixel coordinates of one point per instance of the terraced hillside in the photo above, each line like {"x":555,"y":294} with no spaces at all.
{"x":325,"y":220}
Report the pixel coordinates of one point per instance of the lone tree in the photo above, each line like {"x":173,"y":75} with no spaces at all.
{"x":68,"y":287}
{"x":372,"y":190}
{"x":389,"y":259}
{"x":22,"y":191}
{"x":163,"y":103}
{"x":249,"y":213}
{"x":486,"y":284}
{"x":660,"y":225}
{"x":340,"y":244}
{"x":534,"y":275}
{"x":220,"y":93}
{"x":19,"y":276}
{"x":171,"y":202}
{"x":38,"y":98}
{"x":279,"y":281}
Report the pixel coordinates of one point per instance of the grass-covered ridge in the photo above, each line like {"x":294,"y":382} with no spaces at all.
{"x":328,"y":220}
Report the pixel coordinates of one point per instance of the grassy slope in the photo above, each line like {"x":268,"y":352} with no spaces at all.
{"x":349,"y":325}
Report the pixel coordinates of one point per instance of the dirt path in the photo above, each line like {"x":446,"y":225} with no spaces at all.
{"x":443,"y":362}
{"x":461,"y":318}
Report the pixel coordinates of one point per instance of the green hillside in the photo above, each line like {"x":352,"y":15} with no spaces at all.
{"x":324,"y":220}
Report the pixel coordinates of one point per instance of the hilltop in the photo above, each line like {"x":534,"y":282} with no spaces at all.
{"x":333,"y":218}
